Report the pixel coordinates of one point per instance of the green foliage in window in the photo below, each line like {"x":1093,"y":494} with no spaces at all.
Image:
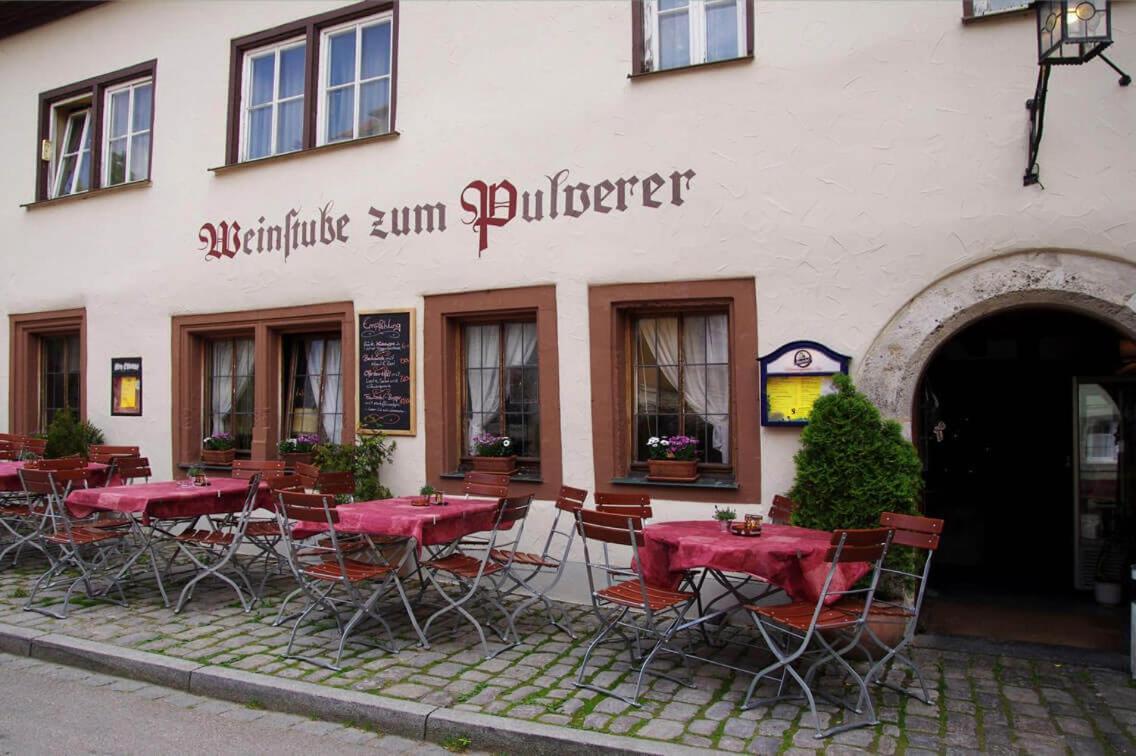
{"x":363,"y":458}
{"x":66,"y":435}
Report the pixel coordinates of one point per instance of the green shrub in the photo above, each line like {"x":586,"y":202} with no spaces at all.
{"x":853,"y":465}
{"x":363,"y":458}
{"x":66,"y":435}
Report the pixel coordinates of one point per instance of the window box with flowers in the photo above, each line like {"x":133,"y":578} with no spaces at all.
{"x":298,"y":450}
{"x":494,"y":454}
{"x":673,"y":459}
{"x":218,"y":449}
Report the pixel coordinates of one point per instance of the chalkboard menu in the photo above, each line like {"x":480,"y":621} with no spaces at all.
{"x":386,"y":372}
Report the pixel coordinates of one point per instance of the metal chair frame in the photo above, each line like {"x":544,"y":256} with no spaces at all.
{"x":842,"y":629}
{"x":660,"y":614}
{"x":311,"y":568}
{"x":480,"y":575}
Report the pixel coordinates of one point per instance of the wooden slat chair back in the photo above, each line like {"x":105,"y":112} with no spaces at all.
{"x":913,"y":531}
{"x":636,"y":505}
{"x":9,"y":449}
{"x":73,"y":462}
{"x":486,"y":484}
{"x":246,"y":468}
{"x":33,"y":447}
{"x":291,"y":483}
{"x":336,"y":483}
{"x":571,"y":499}
{"x":860,"y":545}
{"x":104,"y":453}
{"x":308,"y":472}
{"x":611,"y":527}
{"x":131,"y":469}
{"x":781,"y":513}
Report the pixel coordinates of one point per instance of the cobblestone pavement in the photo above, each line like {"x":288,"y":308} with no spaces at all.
{"x":995,"y":704}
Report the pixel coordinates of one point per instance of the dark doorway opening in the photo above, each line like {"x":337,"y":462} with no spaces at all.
{"x":996,"y":432}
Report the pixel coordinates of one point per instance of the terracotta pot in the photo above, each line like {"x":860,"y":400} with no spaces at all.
{"x":218,"y":457}
{"x":674,"y":470}
{"x":291,"y":459}
{"x":499,"y":465}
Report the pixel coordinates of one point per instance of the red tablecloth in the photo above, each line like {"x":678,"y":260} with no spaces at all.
{"x":10,"y":475}
{"x":431,"y":526}
{"x":168,"y":499}
{"x":784,"y":555}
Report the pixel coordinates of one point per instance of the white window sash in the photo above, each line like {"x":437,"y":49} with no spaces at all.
{"x":696,"y":11}
{"x":78,"y":154}
{"x":246,"y":94}
{"x":357,"y":85}
{"x":130,"y":132}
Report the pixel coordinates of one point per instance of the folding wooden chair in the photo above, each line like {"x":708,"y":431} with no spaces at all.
{"x":81,"y":548}
{"x":308,"y":473}
{"x":921,"y":534}
{"x":215,"y":547}
{"x":333,"y":581}
{"x":635,"y":505}
{"x":781,"y":512}
{"x":646,"y":611}
{"x":111,"y":456}
{"x":32,"y":448}
{"x":265,"y":468}
{"x":824,"y":632}
{"x":481,"y":576}
{"x":523,"y":567}
{"x":72,"y":462}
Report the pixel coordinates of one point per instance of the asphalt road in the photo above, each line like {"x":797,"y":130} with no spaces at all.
{"x":51,"y":709}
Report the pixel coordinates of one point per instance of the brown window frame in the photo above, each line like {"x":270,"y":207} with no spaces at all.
{"x":75,"y":402}
{"x":269,"y":327}
{"x":638,"y":40}
{"x":207,"y":380}
{"x":310,"y":29}
{"x":25,"y":357}
{"x":289,"y":373}
{"x":443,"y":366}
{"x":969,"y":15}
{"x":95,"y":88}
{"x":612,"y":312}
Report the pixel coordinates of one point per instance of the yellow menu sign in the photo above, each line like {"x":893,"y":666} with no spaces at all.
{"x":791,"y":397}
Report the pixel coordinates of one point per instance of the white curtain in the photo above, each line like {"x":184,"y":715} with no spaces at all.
{"x":331,"y":417}
{"x":482,"y":347}
{"x":706,"y":384}
{"x":220,"y":388}
{"x":520,"y":344}
{"x":314,"y":370}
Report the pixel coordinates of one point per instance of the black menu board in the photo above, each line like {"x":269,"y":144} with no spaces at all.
{"x":386,"y":372}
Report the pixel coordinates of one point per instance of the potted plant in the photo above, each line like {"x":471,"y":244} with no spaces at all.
{"x":363,"y":459}
{"x":726,"y":517}
{"x":67,"y":435}
{"x":197,"y":476}
{"x":493,"y":454}
{"x":852,"y":466}
{"x":298,"y":450}
{"x":672,"y":459}
{"x":218,"y":449}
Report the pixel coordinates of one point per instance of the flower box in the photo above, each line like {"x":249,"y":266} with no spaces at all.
{"x":221,"y":457}
{"x":291,"y":459}
{"x":499,"y":465}
{"x":672,"y":470}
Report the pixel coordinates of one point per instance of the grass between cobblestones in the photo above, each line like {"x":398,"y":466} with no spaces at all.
{"x":980,"y":703}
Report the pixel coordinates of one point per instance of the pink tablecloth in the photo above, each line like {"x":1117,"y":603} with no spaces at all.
{"x":784,"y":555}
{"x":431,"y":526}
{"x":167,"y":500}
{"x":10,"y":475}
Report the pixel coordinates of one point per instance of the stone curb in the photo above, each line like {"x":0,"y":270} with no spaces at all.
{"x":391,"y":715}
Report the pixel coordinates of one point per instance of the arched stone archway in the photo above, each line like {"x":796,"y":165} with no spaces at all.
{"x":1097,"y":285}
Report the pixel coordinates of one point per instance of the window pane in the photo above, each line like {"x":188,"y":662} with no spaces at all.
{"x":263,"y":73}
{"x":292,"y":72}
{"x":674,"y":39}
{"x":119,"y":111}
{"x":140,"y":157}
{"x":668,"y":398}
{"x":53,"y":355}
{"x":376,"y":50}
{"x":84,"y":179}
{"x":341,"y":58}
{"x":260,"y":132}
{"x":66,"y":173}
{"x":340,"y":113}
{"x":290,"y":126}
{"x":374,"y":107}
{"x":647,"y":390}
{"x":118,"y":161}
{"x":75,"y":131}
{"x":143,"y":96}
{"x":669,"y":4}
{"x":721,"y":31}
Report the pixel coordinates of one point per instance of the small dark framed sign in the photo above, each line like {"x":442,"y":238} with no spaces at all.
{"x":793,"y":377}
{"x":126,"y":386}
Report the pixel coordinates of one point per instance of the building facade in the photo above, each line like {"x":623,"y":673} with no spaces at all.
{"x":600,"y":213}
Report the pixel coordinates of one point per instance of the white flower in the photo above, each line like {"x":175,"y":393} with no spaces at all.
{"x":653,"y":441}
{"x":205,"y":440}
{"x":664,"y":442}
{"x":506,"y":443}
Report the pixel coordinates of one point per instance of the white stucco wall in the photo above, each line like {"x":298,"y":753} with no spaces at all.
{"x":869,"y":148}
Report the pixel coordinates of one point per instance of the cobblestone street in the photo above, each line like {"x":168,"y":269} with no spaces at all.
{"x":998,"y":704}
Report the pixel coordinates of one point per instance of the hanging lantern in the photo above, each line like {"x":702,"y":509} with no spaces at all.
{"x":1071,"y":32}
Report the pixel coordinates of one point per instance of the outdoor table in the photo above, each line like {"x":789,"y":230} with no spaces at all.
{"x":786,"y":556}
{"x":10,"y":475}
{"x":433,"y":525}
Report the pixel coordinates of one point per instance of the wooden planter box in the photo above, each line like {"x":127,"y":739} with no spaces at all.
{"x":291,"y":459}
{"x":499,"y":465}
{"x":218,"y":457}
{"x":672,"y":470}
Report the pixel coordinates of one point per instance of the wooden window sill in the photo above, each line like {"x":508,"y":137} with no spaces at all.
{"x":692,"y":67}
{"x":221,"y":169}
{"x":102,"y":190}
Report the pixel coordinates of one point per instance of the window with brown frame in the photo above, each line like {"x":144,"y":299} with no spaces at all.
{"x":313,"y":399}
{"x":96,"y":133}
{"x":972,"y":9}
{"x":48,"y":367}
{"x":676,"y":358}
{"x":501,"y":386}
{"x":677,"y":34}
{"x":59,"y":376}
{"x":229,"y":405}
{"x":317,"y":81}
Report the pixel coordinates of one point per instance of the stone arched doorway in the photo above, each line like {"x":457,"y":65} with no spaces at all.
{"x":989,"y":356}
